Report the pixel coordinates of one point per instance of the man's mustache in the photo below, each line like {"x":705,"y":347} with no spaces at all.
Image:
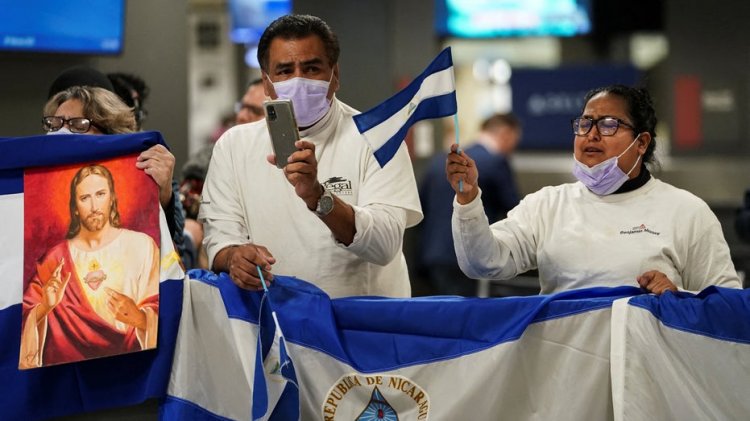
{"x":95,"y":214}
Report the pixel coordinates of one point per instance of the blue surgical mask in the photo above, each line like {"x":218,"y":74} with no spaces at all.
{"x":605,"y":177}
{"x":309,"y":98}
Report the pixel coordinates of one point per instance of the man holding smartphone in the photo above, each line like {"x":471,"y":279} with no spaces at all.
{"x":331,"y":215}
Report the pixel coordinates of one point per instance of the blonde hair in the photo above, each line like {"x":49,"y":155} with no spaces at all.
{"x":104,"y":108}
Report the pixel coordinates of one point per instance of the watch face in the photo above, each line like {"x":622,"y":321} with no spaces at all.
{"x":325,"y":204}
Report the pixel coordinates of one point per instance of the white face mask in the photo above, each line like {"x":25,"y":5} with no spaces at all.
{"x":62,"y":130}
{"x":309,"y":98}
{"x":605,"y":177}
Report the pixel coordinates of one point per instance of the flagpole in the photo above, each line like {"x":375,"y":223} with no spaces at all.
{"x":262,"y":279}
{"x":458,"y":150}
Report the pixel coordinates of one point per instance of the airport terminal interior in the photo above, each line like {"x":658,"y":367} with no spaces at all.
{"x":197,"y":56}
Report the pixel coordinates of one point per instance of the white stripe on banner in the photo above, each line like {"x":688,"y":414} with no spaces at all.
{"x":11,"y":249}
{"x":673,"y":374}
{"x":214,"y":361}
{"x":436,"y":84}
{"x":537,"y":376}
{"x":676,"y":356}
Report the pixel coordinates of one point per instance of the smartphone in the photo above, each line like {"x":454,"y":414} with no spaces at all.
{"x":282,"y":127}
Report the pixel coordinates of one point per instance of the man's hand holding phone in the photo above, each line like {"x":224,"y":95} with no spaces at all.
{"x":302,"y":172}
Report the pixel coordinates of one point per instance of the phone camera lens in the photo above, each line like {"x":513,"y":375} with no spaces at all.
{"x":271,"y":113}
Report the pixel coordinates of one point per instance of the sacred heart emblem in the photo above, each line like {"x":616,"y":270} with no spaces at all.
{"x":94,"y":279}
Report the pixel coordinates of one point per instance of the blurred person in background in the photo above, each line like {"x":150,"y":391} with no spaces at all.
{"x":617,"y":225}
{"x":250,"y":106}
{"x":133,"y":91}
{"x":248,"y":110}
{"x":498,"y":137}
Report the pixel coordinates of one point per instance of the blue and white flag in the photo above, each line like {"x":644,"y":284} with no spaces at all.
{"x":682,"y":356}
{"x":587,"y":354}
{"x":85,"y":386}
{"x":431,"y":95}
{"x":230,"y":359}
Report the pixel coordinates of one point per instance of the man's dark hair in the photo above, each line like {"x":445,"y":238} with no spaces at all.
{"x":133,"y":91}
{"x":295,"y":27}
{"x":75,"y":219}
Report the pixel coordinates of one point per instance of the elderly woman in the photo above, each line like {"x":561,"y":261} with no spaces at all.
{"x":617,"y":225}
{"x":94,"y":110}
{"x":83,"y":109}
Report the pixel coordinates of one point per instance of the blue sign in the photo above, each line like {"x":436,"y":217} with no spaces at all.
{"x":546,"y":100}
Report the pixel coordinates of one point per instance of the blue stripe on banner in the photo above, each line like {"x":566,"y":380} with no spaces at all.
{"x":240,"y":303}
{"x":287,"y":408}
{"x":434,"y":107}
{"x":91,"y":385}
{"x":430,"y":328}
{"x":260,"y":389}
{"x":180,"y":409}
{"x":720,"y":313}
{"x":392,"y":105}
{"x":23,"y":152}
{"x":11,"y":181}
{"x":287,"y":368}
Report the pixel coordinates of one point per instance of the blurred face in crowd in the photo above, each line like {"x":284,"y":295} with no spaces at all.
{"x":508,"y":138}
{"x":251,"y":105}
{"x":593,"y":147}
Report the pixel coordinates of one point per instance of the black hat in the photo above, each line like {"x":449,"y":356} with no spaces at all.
{"x":79,"y":76}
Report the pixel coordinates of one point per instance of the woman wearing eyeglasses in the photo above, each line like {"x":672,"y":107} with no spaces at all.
{"x":83,"y":109}
{"x":617,"y":225}
{"x":94,"y":110}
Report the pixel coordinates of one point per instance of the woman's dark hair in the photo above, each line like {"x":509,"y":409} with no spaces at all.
{"x":640,"y":110}
{"x":296,"y":27}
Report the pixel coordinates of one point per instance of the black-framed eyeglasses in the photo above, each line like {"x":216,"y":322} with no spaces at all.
{"x":53,"y":123}
{"x":607,"y":126}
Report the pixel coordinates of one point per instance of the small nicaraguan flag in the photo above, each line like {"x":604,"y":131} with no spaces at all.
{"x":431,"y":95}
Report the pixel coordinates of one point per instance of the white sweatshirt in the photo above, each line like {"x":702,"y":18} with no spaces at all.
{"x":248,"y":200}
{"x":578,"y":239}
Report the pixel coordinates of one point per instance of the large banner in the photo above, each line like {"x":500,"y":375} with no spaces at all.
{"x":34,"y":223}
{"x":595,"y":354}
{"x":293,"y":353}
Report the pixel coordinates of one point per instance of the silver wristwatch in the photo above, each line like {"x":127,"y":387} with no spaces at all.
{"x":325,"y":203}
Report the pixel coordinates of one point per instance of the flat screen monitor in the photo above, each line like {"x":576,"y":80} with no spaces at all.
{"x":249,"y":18}
{"x":512,"y":18}
{"x":70,"y":26}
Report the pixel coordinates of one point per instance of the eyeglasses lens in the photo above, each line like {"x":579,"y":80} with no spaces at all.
{"x":79,"y":125}
{"x":52,"y":124}
{"x":581,"y":126}
{"x":607,"y":126}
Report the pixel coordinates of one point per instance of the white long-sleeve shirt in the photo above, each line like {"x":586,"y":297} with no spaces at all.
{"x":248,"y":200}
{"x":578,"y":239}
